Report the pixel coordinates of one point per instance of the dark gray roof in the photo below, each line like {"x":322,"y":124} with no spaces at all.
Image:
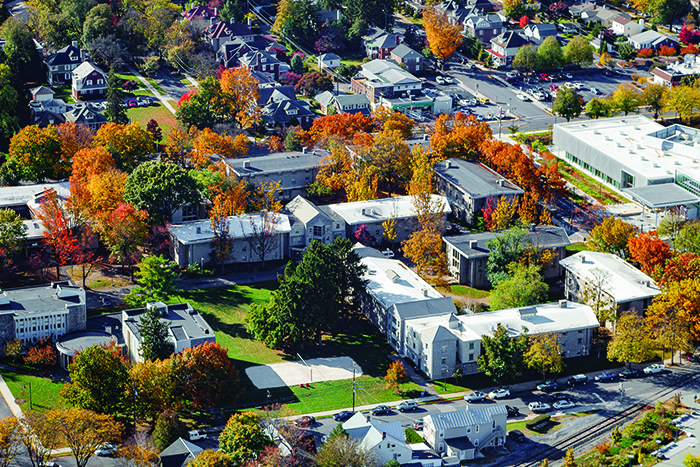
{"x":44,"y":118}
{"x":662,"y":195}
{"x":345,"y":99}
{"x":277,"y":162}
{"x":183,"y":321}
{"x":277,"y":93}
{"x":461,"y":443}
{"x":259,"y":57}
{"x":475,"y":179}
{"x":470,"y":417}
{"x":41,"y":299}
{"x":510,"y":39}
{"x":543,"y":236}
{"x":279,"y":111}
{"x":329,"y":56}
{"x":179,"y":454}
{"x":63,"y":56}
{"x":428,"y":307}
{"x":85,"y":115}
{"x":111,"y":322}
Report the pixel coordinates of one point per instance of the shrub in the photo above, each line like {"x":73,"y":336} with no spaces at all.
{"x":42,"y":353}
{"x":691,"y":49}
{"x":621,"y":460}
{"x":603,"y":448}
{"x":666,"y":51}
{"x":645,"y":53}
{"x":648,"y":446}
{"x":412,"y":437}
{"x":540,"y":420}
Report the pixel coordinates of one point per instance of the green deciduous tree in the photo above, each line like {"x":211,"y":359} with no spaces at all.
{"x":626,"y":51}
{"x":667,"y":11}
{"x":115,"y":100}
{"x":653,"y":96}
{"x":526,"y":58}
{"x":9,"y":100}
{"x":567,"y":104}
{"x":156,"y":276}
{"x":524,"y":287}
{"x":13,"y":233}
{"x":544,"y":353}
{"x":504,"y":249}
{"x":347,"y":452}
{"x":632,"y":342}
{"x":550,"y":55}
{"x":502,"y":356}
{"x":98,"y":24}
{"x":596,"y":108}
{"x":579,"y":51}
{"x":159,"y":188}
{"x":625,"y":99}
{"x":169,"y":427}
{"x":243,"y":437}
{"x":612,"y":236}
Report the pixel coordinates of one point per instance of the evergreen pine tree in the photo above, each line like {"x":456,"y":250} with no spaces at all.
{"x":155,"y":337}
{"x":115,"y":98}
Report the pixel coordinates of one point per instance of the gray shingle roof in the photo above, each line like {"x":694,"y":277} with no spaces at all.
{"x":429,"y":307}
{"x":470,"y":417}
{"x":179,"y":454}
{"x":404,"y":51}
{"x":277,"y":162}
{"x":475,"y":179}
{"x":544,"y":236}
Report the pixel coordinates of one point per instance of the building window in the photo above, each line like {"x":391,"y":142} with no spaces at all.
{"x":189,"y":213}
{"x":443,"y":360}
{"x":471,"y":357}
{"x":580,"y":341}
{"x":471,"y":346}
{"x":318,"y":231}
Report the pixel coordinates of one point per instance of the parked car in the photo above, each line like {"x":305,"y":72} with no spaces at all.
{"x":499,"y":393}
{"x":143,"y":101}
{"x":548,"y":386}
{"x":407,"y":405}
{"x":539,"y":407}
{"x":512,"y":411}
{"x":577,"y":86}
{"x":655,"y":368}
{"x":475,"y":396}
{"x":553,"y":87}
{"x":630,"y":373}
{"x":106,"y":450}
{"x":545,"y":77}
{"x":380,"y":409}
{"x":440,"y":80}
{"x":417,"y":425}
{"x":522,"y":97}
{"x":388,"y":253}
{"x":516,"y":435}
{"x":342,"y":416}
{"x":484,"y":100}
{"x":561,"y":405}
{"x":196,"y":435}
{"x":560,"y":396}
{"x":606,"y":376}
{"x":577,"y":380}
{"x":306,"y":420}
{"x":325,"y":438}
{"x":450,"y":80}
{"x":131,"y":103}
{"x":568,"y":76}
{"x":512,"y":74}
{"x":49,"y":464}
{"x":596,"y":91}
{"x":607,"y":73}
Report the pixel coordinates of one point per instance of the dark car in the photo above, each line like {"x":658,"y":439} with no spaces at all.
{"x":516,"y":435}
{"x":559,"y":396}
{"x":630,"y":373}
{"x":577,"y":380}
{"x":380,"y":409}
{"x":548,"y":386}
{"x":606,"y":376}
{"x":342,"y":416}
{"x":512,"y":411}
{"x":306,"y":420}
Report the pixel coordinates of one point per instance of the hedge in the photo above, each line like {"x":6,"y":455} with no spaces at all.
{"x":538,"y":422}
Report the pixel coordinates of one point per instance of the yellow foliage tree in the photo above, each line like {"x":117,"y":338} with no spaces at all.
{"x":208,"y":143}
{"x":504,"y":214}
{"x":443,"y":36}
{"x":604,"y":59}
{"x":544,"y":353}
{"x":105,"y":191}
{"x":155,"y":385}
{"x":528,"y":209}
{"x":129,"y":144}
{"x":392,"y":120}
{"x":364,"y":185}
{"x":83,"y":431}
{"x":239,"y":95}
{"x":395,"y":375}
{"x":337,"y":169}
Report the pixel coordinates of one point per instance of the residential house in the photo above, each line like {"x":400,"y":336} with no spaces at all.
{"x":602,"y":15}
{"x":230,"y":51}
{"x":385,"y":440}
{"x":440,"y":344}
{"x":43,"y":119}
{"x":469,"y":184}
{"x":43,"y":101}
{"x":623,"y":25}
{"x":484,"y":27}
{"x":626,"y":287}
{"x":467,"y":254}
{"x":179,"y":454}
{"x":675,"y":71}
{"x":343,"y":103}
{"x":186,"y":327}
{"x":328,"y":60}
{"x":44,"y":311}
{"x":310,"y":222}
{"x":371,"y":214}
{"x":395,"y":294}
{"x":262,"y":61}
{"x":83,"y":114}
{"x":538,"y":32}
{"x":200,"y":13}
{"x":505,"y":46}
{"x":380,"y":47}
{"x":383,"y":78}
{"x":651,"y":39}
{"x":89,"y":82}
{"x":279,"y":106}
{"x":60,"y":65}
{"x":42,"y":94}
{"x":412,"y":60}
{"x":577,"y":9}
{"x":219,"y":32}
{"x":293,"y":170}
{"x":192,"y":241}
{"x":461,"y":434}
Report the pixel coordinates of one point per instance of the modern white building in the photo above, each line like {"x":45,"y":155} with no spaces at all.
{"x":626,"y":287}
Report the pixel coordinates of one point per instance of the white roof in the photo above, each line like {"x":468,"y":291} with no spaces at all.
{"x":25,"y":194}
{"x":239,"y":227}
{"x":625,"y":283}
{"x":400,"y":207}
{"x":85,"y":69}
{"x":392,"y":282}
{"x":627,"y":140}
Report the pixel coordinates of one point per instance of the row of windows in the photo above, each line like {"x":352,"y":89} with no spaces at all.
{"x":593,"y":170}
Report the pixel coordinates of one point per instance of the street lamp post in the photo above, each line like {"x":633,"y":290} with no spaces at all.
{"x":630,"y":456}
{"x":30,"y":394}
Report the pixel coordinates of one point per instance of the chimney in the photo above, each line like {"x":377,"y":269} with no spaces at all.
{"x":425,"y":292}
{"x":74,"y":44}
{"x":211,"y":21}
{"x":473,"y":243}
{"x":532,"y":227}
{"x":233,"y":21}
{"x":383,"y":434}
{"x":199,"y":230}
{"x":304,"y":149}
{"x":562,"y":303}
{"x":448,"y":164}
{"x":367,"y":416}
{"x":641,"y":25}
{"x":425,"y":137}
{"x":583,"y":258}
{"x":501,"y":182}
{"x":246,"y":164}
{"x":364,"y":211}
{"x":249,"y":22}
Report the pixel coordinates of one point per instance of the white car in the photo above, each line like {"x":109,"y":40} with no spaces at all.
{"x":522,"y":97}
{"x":512,"y":74}
{"x":388,"y":253}
{"x":440,"y":80}
{"x":577,"y":85}
{"x":106,"y":450}
{"x":539,"y":406}
{"x":564,"y":404}
{"x":655,"y":368}
{"x":568,"y":76}
{"x":596,"y":91}
{"x":450,"y":80}
{"x":499,"y":393}
{"x":195,"y":435}
{"x":475,"y":396}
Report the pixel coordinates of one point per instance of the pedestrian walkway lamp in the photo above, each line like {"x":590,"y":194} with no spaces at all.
{"x":30,"y":394}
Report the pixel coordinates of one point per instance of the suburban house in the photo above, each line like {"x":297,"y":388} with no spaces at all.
{"x":43,"y":118}
{"x":626,"y":287}
{"x":676,"y":71}
{"x":343,"y":103}
{"x":623,"y":25}
{"x":538,"y":32}
{"x":369,"y":215}
{"x":467,"y":254}
{"x":219,"y":32}
{"x":42,"y":94}
{"x":577,"y":9}
{"x":413,"y":61}
{"x":311,"y":222}
{"x":43,"y":311}
{"x":328,"y":60}
{"x":293,"y":170}
{"x":469,"y":184}
{"x":179,"y":454}
{"x":440,"y":344}
{"x":83,"y":114}
{"x":380,"y":47}
{"x":60,"y":65}
{"x":193,"y":241}
{"x":200,"y":13}
{"x":43,"y":101}
{"x":484,"y":27}
{"x":287,"y":113}
{"x":89,"y":82}
{"x":261,"y":61}
{"x":651,"y":39}
{"x":186,"y":327}
{"x":395,"y":294}
{"x":383,"y":78}
{"x":230,"y":51}
{"x":505,"y":46}
{"x":386,"y":440}
{"x":461,"y":434}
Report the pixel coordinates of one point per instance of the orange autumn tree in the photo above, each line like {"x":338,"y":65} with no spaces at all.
{"x":679,"y":267}
{"x":674,"y":315}
{"x":229,"y":197}
{"x":650,"y":252}
{"x":528,"y":210}
{"x":443,"y":35}
{"x":392,"y":120}
{"x":105,"y":191}
{"x":390,"y":154}
{"x":178,"y":147}
{"x":74,"y":138}
{"x":458,"y":136}
{"x":238,"y":97}
{"x":129,"y":144}
{"x":343,"y":126}
{"x":364,"y":185}
{"x":395,"y":376}
{"x":338,"y":168}
{"x":207,"y":143}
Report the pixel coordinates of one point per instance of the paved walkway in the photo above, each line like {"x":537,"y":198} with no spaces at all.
{"x":162,"y":98}
{"x":415,"y":377}
{"x":676,"y":452}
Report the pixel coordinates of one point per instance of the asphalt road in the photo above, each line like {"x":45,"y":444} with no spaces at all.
{"x":171,"y":84}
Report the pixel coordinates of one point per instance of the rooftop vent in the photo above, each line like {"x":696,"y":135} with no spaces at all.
{"x":501,"y":182}
{"x":246,"y":164}
{"x":527,"y":312}
{"x":563,"y":303}
{"x":473,"y":243}
{"x":199,"y":230}
{"x":448,"y":164}
{"x":425,"y":292}
{"x":583,"y":258}
{"x":4,"y":299}
{"x":304,"y":149}
{"x":393,"y":276}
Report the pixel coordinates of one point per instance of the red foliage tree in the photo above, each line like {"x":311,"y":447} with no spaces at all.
{"x":679,"y":267}
{"x":691,"y":49}
{"x":43,"y":353}
{"x":524,"y":21}
{"x":645,"y":53}
{"x":488,"y":212}
{"x":342,"y":125}
{"x":649,"y":251}
{"x":61,"y":242}
{"x":666,"y":51}
{"x":689,"y":35}
{"x":363,"y":236}
{"x":186,"y":97}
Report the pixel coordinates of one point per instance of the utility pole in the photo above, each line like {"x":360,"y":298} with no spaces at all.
{"x":353,"y":386}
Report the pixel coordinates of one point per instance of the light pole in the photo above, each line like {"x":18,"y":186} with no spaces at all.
{"x":133,"y":414}
{"x":30,"y":394}
{"x":630,"y":456}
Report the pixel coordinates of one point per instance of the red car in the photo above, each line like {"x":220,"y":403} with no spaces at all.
{"x":131,"y":103}
{"x":553,"y":87}
{"x":545,"y":77}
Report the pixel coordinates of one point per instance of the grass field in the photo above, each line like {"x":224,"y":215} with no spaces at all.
{"x":44,"y":391}
{"x":576,"y":247}
{"x":464,"y":291}
{"x":158,"y":112}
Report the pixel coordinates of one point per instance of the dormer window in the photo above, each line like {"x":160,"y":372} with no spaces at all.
{"x":73,"y":58}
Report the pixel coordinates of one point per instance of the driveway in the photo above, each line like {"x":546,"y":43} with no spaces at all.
{"x":171,"y":84}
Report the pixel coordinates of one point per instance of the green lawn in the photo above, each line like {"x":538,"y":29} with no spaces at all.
{"x":576,"y":247}
{"x":153,"y":83}
{"x":517,"y":426}
{"x":158,"y":112}
{"x":44,"y":391}
{"x":588,"y":185}
{"x":452,"y":386}
{"x":467,"y":292}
